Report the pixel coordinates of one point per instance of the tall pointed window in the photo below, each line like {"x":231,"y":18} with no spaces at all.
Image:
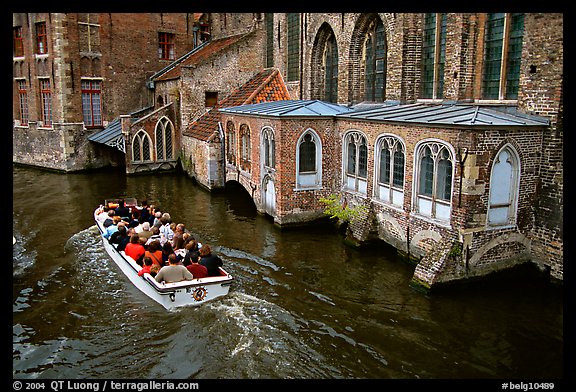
{"x":433,"y":56}
{"x":309,"y":161}
{"x":390,"y":170}
{"x":141,"y":147}
{"x":434,"y":190}
{"x":246,"y":149}
{"x":375,"y":62}
{"x":269,"y":22}
{"x":502,"y":56}
{"x":268,"y":148}
{"x":331,"y":70}
{"x":230,"y":143}
{"x":504,"y":183}
{"x":293,"y":66}
{"x":164,"y":137}
{"x":356,"y":162}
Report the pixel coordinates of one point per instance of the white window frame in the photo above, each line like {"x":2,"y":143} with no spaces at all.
{"x":310,"y":179}
{"x":432,"y":208}
{"x":388,"y":193}
{"x":354,"y":182}
{"x":140,"y":136}
{"x":495,"y":208}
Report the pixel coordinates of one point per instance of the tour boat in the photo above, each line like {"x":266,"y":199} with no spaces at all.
{"x":170,"y":295}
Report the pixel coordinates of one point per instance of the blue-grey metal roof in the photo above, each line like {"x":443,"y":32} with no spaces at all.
{"x":111,"y":135}
{"x":454,"y":114}
{"x":291,"y":108}
{"x":417,"y":113}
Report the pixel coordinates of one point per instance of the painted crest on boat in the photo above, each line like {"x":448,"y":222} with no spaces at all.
{"x":199,"y":293}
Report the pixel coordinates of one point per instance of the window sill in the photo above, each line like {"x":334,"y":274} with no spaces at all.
{"x":434,"y":221}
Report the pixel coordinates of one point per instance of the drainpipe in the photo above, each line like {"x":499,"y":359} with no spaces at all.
{"x":223,"y":139}
{"x":462,"y":161}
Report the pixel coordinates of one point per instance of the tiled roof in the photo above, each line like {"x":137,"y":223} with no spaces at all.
{"x":207,"y":50}
{"x":268,"y":85}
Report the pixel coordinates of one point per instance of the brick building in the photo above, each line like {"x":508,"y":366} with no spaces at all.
{"x":74,"y":73}
{"x":447,"y":127}
{"x":453,"y":143}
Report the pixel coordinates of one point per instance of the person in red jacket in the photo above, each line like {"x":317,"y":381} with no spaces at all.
{"x":147,"y":266}
{"x":197,"y":270}
{"x":135,"y":249}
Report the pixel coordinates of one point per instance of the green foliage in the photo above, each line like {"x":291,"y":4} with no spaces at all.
{"x":343,"y":212}
{"x":456,"y":250}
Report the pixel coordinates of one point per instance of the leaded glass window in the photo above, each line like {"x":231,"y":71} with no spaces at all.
{"x":433,"y":56}
{"x":375,"y":62}
{"x":356,"y":161}
{"x":502,"y":30}
{"x":331,"y":69}
{"x":434,"y":193}
{"x":390,"y":176}
{"x":307,"y":158}
{"x":141,"y":147}
{"x":293,"y":66}
{"x":164,"y":135}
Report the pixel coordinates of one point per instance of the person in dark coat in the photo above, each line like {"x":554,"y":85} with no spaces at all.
{"x":210,"y":260}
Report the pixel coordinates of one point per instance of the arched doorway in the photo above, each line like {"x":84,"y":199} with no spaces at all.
{"x":269,"y":196}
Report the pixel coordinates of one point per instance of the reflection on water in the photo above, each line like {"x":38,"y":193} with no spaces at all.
{"x":303,"y":305}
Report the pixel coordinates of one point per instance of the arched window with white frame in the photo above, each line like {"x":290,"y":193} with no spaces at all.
{"x":164,"y":137}
{"x":504,"y":186}
{"x":309,"y":160}
{"x":434,"y":172}
{"x":390,"y":158}
{"x":141,"y":147}
{"x":355,"y":158}
{"x":268,"y":148}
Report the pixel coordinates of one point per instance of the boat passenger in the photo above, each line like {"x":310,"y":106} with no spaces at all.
{"x":135,"y":249}
{"x":154,"y":251}
{"x":173,"y":272}
{"x":121,"y":237}
{"x":145,"y":231}
{"x":134,"y":222}
{"x":166,"y":232}
{"x":195,"y":268}
{"x":157,"y":216}
{"x":155,"y":235}
{"x":112,"y":228}
{"x":154,"y":269}
{"x":102,"y":214}
{"x":210,"y":260}
{"x":122,"y":210}
{"x":178,"y":240}
{"x":147,"y":266}
{"x":109,"y":220}
{"x":145,"y":211}
{"x":168,"y":250}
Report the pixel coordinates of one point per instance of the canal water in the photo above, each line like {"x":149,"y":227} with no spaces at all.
{"x":303,"y":304}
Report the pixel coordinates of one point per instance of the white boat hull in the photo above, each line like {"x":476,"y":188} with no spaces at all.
{"x":170,"y":295}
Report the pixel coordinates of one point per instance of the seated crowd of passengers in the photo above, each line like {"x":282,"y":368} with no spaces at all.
{"x":165,"y":250}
